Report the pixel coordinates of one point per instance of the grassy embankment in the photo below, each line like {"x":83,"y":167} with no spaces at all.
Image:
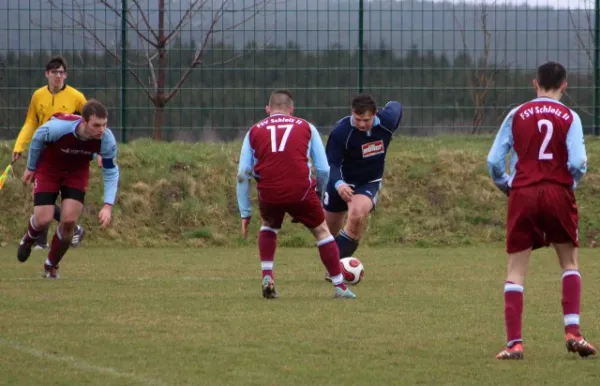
{"x":436,"y":193}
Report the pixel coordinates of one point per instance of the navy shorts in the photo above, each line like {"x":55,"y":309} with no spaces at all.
{"x":332,"y":202}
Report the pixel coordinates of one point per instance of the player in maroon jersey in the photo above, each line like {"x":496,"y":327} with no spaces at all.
{"x":59,"y":162}
{"x":276,"y":154}
{"x":548,"y":160}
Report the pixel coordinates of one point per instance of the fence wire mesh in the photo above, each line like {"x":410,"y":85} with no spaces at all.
{"x":203,"y":69}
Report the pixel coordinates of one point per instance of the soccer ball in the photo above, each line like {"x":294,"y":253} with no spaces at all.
{"x":352,"y":270}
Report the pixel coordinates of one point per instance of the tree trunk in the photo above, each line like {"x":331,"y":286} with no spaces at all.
{"x":159,"y":113}
{"x":159,"y":99}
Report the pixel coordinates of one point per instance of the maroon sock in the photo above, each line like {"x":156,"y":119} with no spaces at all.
{"x":32,"y":232}
{"x":58,"y":248}
{"x":267,"y":243}
{"x":571,"y":300}
{"x":513,"y":311}
{"x":330,"y":256}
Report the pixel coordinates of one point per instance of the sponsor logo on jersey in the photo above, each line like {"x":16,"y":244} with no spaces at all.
{"x":76,"y":151}
{"x":373,"y":148}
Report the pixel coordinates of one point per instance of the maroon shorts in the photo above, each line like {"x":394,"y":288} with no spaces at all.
{"x":539,"y":215}
{"x":307,"y":211}
{"x":71,"y":185}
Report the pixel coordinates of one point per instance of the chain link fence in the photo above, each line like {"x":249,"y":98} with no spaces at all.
{"x":202,"y":70}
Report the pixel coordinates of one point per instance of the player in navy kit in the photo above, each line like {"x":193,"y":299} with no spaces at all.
{"x":356,"y":151}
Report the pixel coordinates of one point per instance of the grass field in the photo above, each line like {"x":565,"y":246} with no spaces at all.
{"x":195,"y":316}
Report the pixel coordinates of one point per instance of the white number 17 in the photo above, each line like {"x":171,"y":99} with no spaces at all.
{"x":273,"y":129}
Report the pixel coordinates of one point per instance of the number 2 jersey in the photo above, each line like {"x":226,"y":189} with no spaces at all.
{"x":547,"y":144}
{"x":276,"y":152}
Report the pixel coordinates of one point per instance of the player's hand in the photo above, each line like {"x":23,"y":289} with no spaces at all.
{"x":245,"y":224}
{"x":16,"y":156}
{"x":28,"y":177}
{"x":99,"y":161}
{"x":105,"y":216}
{"x":345,"y":192}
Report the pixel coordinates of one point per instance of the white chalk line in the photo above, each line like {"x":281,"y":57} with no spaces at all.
{"x":109,"y":279}
{"x":79,"y":364}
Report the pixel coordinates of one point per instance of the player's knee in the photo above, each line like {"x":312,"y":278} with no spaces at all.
{"x":567,"y":256}
{"x":42,"y":217}
{"x":358,"y":214}
{"x":68,"y":226}
{"x":41,"y":222}
{"x":321,"y":232}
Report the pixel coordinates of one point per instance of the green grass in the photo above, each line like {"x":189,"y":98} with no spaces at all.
{"x":436,"y":192}
{"x":127,"y":316}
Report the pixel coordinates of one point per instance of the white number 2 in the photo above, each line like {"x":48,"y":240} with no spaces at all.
{"x":273,"y":130}
{"x":549,"y":129}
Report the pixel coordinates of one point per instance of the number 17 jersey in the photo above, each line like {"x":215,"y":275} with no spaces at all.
{"x":282,"y":145}
{"x":540,"y":142}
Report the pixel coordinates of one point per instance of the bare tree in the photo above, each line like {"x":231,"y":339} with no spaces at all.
{"x":481,"y":79}
{"x":203,"y":15}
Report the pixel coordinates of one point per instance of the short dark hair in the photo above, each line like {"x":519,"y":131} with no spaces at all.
{"x":56,"y":62}
{"x":551,"y":75}
{"x":94,"y":107}
{"x":281,"y":98}
{"x":363,"y":103}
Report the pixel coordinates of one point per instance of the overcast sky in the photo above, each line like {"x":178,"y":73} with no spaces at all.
{"x":536,"y":3}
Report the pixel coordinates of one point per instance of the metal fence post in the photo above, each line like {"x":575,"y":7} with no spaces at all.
{"x":597,"y":68}
{"x":124,"y":71}
{"x":361,"y":25}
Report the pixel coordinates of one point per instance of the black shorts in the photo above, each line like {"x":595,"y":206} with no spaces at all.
{"x":332,"y":202}
{"x":49,"y":198}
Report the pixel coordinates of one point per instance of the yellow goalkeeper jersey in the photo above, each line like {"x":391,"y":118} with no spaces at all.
{"x":43,"y":105}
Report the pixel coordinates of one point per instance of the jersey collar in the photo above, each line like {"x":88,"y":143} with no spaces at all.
{"x":63,"y":87}
{"x":546,"y":99}
{"x":376,"y":122}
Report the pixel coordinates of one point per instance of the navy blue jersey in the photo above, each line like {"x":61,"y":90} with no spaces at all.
{"x":358,"y":157}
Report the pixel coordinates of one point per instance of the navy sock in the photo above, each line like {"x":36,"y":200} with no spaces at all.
{"x":346,"y":244}
{"x":57,"y":213}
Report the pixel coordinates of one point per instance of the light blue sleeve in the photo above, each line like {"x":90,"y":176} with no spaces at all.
{"x":245,"y":173}
{"x":577,"y":160}
{"x":496,"y":160}
{"x":319,"y":159}
{"x":110,"y":170}
{"x":49,"y":132}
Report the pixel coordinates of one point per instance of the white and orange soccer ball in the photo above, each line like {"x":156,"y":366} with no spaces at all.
{"x":352,"y":270}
